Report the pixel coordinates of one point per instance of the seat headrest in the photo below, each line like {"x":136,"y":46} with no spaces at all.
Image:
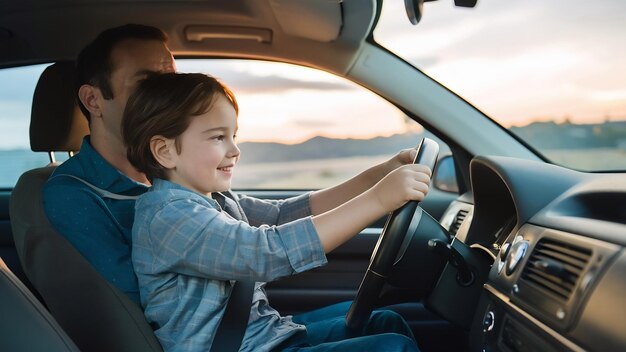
{"x":56,"y":122}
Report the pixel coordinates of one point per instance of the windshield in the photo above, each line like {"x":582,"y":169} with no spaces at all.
{"x":552,"y":72}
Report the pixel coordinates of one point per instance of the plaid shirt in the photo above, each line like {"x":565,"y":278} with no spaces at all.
{"x":187,"y":251}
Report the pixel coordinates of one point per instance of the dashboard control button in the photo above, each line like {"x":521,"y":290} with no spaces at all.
{"x":587,"y":279}
{"x":515,"y":256}
{"x":489,"y":321}
{"x":560,"y":314}
{"x":504,"y":251}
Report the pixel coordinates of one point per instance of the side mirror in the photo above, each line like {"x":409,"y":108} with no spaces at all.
{"x":444,"y":178}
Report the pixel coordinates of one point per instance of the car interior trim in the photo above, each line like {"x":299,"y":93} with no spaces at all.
{"x":202,"y":33}
{"x":502,"y":298}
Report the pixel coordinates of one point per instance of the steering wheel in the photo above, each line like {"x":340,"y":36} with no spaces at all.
{"x":388,"y":247}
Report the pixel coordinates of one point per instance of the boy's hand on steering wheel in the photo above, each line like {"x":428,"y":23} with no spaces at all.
{"x":408,"y":182}
{"x":405,"y":156}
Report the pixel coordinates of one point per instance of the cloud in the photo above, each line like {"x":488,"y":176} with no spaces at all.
{"x":276,"y":84}
{"x":609,"y":95}
{"x":256,"y":77}
{"x":500,"y":28}
{"x":517,"y":59}
{"x":311,"y":123}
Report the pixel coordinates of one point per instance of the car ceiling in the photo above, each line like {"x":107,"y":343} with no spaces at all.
{"x":326,"y":34}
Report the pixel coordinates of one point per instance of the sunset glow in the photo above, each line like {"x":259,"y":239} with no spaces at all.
{"x":290,"y":104}
{"x":520,"y":61}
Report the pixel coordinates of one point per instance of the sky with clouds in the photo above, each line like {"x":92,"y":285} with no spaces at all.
{"x":516,"y":60}
{"x":520,"y":60}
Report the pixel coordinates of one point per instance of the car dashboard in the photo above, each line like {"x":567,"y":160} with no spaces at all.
{"x":555,"y":238}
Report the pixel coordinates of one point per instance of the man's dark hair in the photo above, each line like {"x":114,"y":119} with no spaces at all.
{"x":94,"y":66}
{"x":164,"y":105}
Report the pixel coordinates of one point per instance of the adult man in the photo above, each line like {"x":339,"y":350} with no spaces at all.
{"x":100,"y":228}
{"x":98,"y":225}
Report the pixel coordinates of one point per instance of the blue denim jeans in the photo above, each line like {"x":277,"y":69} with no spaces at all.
{"x":326,"y":331}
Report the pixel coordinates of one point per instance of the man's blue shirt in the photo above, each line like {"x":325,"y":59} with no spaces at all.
{"x":99,"y":228}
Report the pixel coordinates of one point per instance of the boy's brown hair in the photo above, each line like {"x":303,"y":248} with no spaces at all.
{"x":163,"y":105}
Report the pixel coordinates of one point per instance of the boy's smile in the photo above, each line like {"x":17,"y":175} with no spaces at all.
{"x":227,"y":169}
{"x":208,"y":152}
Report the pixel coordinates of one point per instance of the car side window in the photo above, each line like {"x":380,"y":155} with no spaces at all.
{"x":301,"y":128}
{"x":16,"y":96}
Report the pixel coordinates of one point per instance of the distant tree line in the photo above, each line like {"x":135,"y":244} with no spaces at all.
{"x":540,"y":135}
{"x":550,"y":135}
{"x":323,"y":148}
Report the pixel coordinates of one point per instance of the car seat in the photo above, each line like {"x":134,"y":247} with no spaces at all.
{"x":94,"y":313}
{"x":25,"y":324}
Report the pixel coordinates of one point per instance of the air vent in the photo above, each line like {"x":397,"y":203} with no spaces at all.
{"x":555,"y":267}
{"x":458,"y":220}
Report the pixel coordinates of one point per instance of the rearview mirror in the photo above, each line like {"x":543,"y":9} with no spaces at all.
{"x":415,"y":8}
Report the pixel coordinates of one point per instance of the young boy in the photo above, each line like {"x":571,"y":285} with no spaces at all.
{"x":190,"y":240}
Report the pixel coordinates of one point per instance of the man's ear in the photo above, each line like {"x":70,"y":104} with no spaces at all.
{"x":88,"y":96}
{"x":164,"y":151}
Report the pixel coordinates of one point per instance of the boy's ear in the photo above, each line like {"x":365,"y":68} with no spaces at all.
{"x":88,"y":96}
{"x":164,"y":151}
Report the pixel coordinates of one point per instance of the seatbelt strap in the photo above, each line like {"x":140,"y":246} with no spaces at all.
{"x":232,"y":328}
{"x":103,"y":193}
